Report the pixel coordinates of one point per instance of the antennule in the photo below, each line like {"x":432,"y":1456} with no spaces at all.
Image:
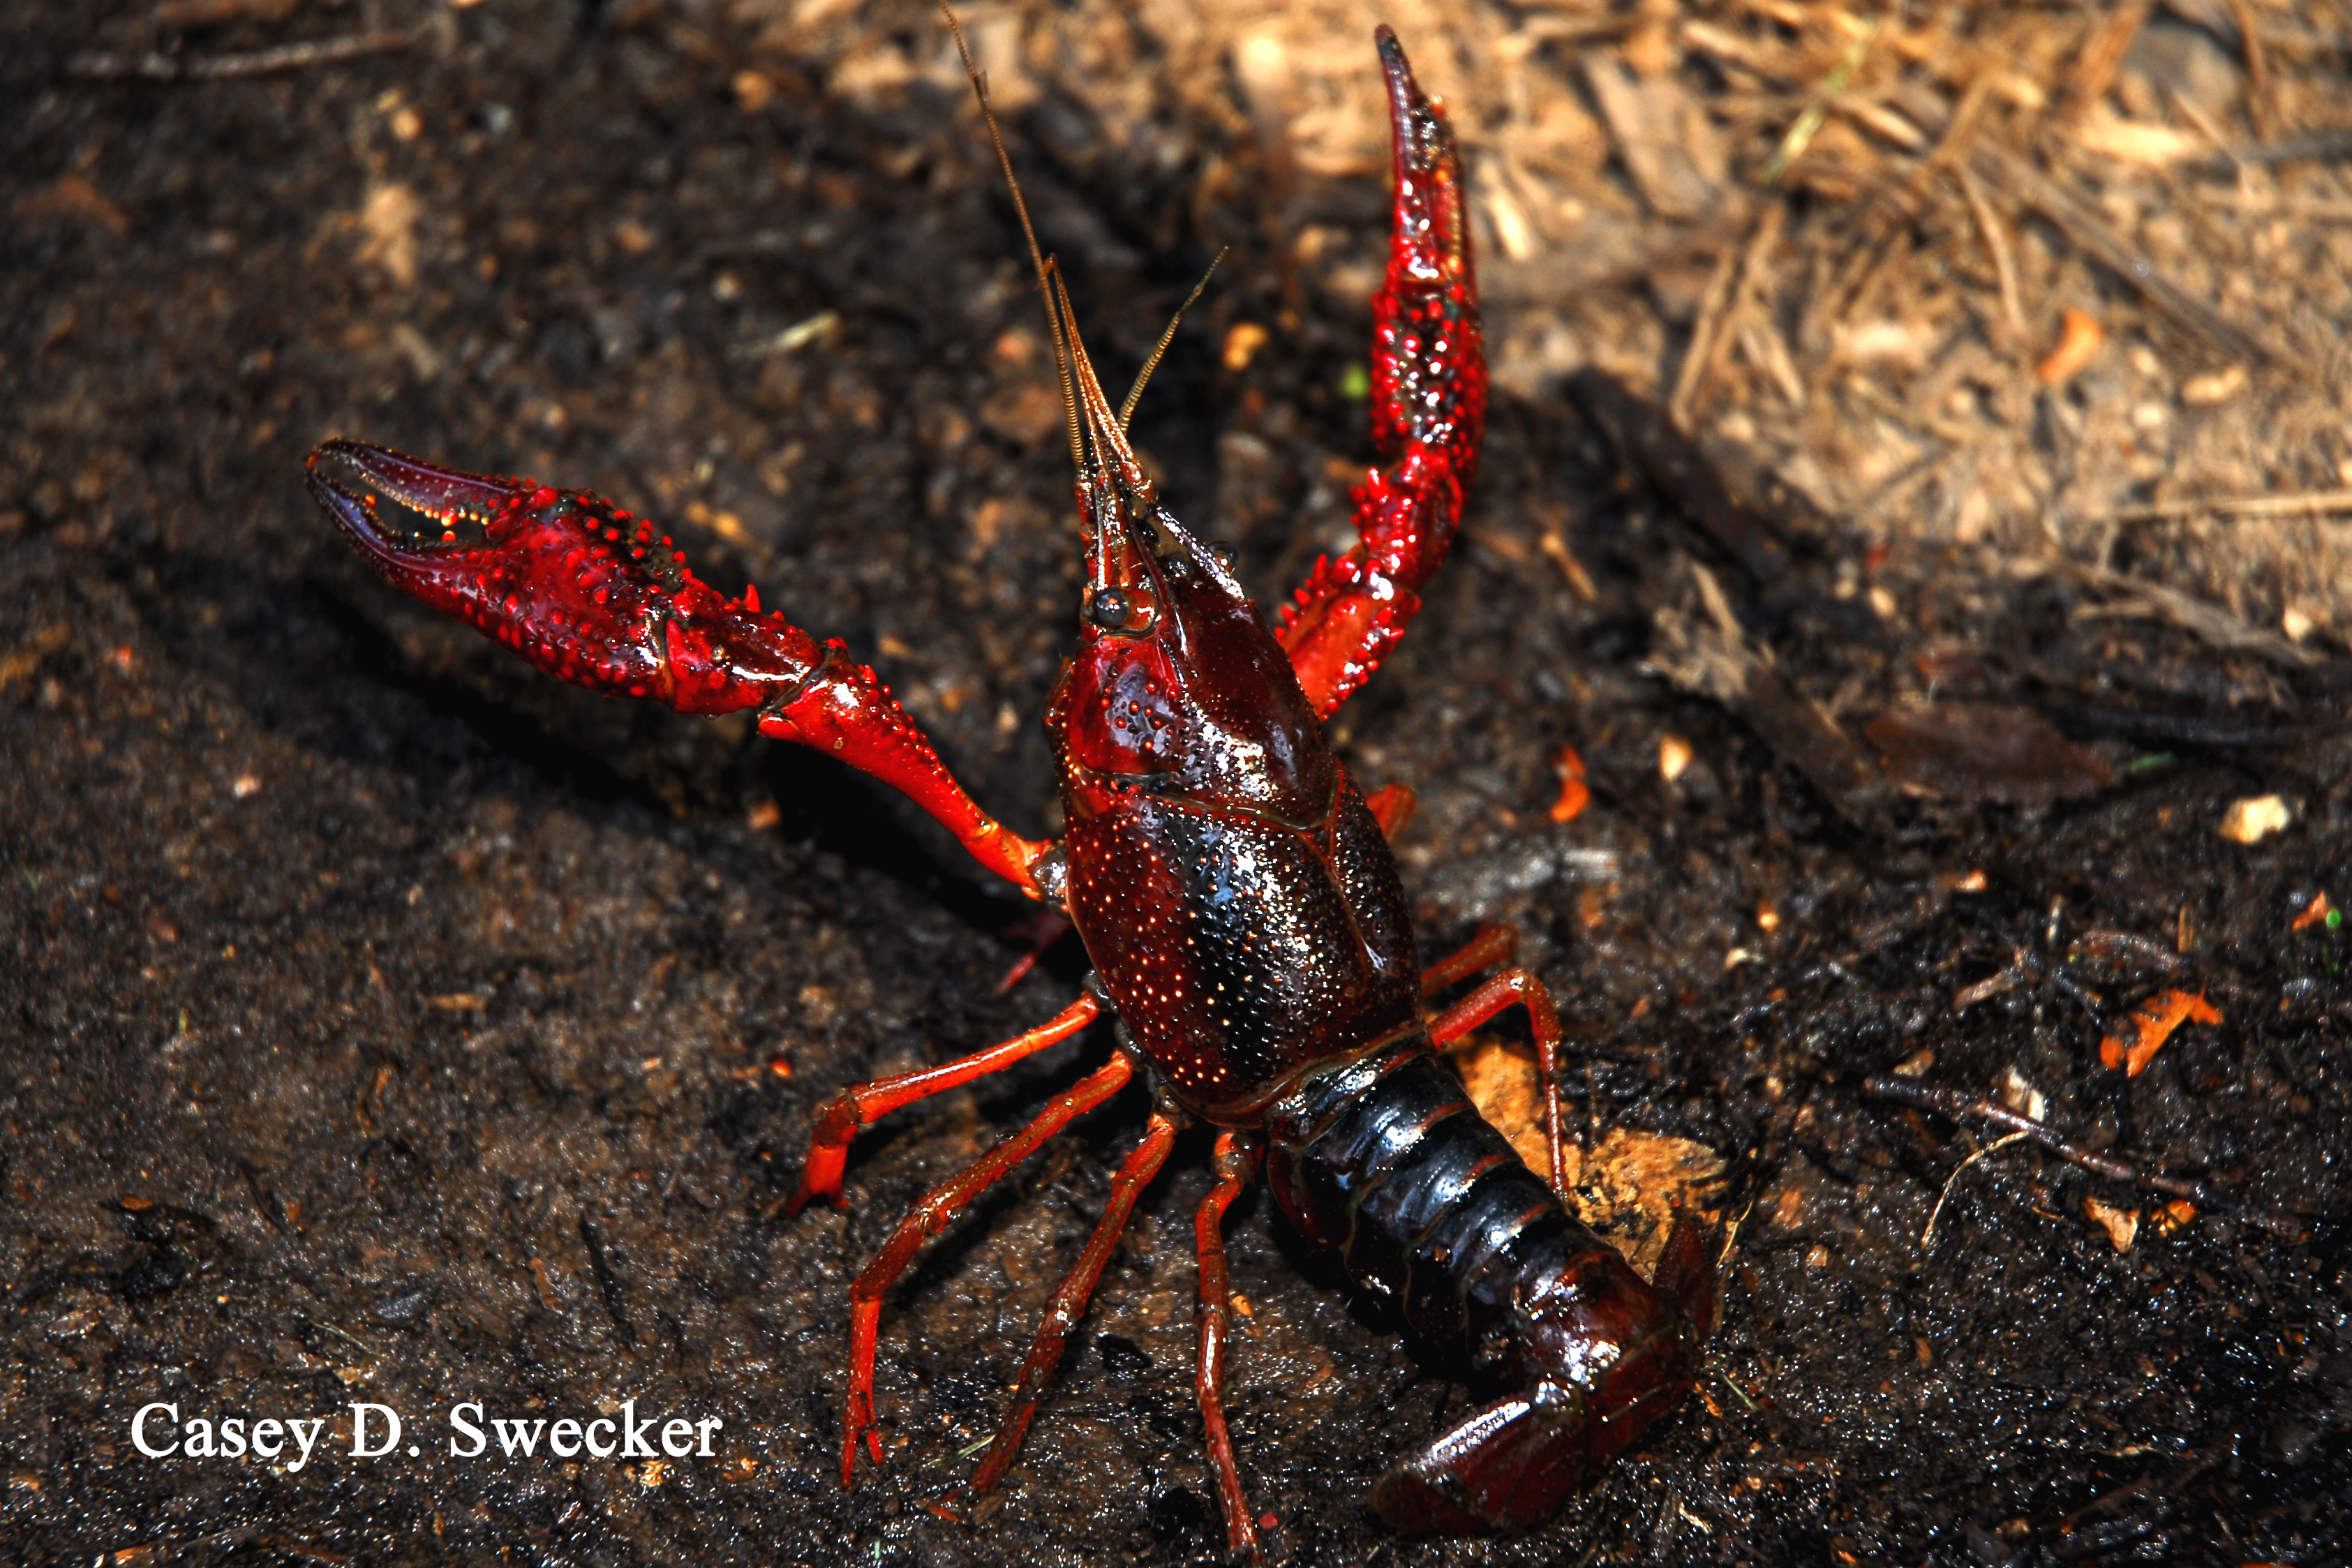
{"x":1135,"y":393}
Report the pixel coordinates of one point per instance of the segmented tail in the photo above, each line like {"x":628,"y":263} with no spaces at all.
{"x":1387,"y":1161}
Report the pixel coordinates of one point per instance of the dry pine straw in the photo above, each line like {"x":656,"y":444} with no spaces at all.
{"x":1845,"y":238}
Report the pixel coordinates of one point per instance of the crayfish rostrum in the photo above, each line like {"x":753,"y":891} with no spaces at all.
{"x":1234,"y":888}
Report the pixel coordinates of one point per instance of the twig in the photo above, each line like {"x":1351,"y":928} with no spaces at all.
{"x":2103,"y":53}
{"x":2317,"y":147}
{"x":355,"y":1339}
{"x":151,"y":66}
{"x":1712,"y":657}
{"x":1556,"y":551}
{"x":2198,"y":616}
{"x":1677,"y":467}
{"x":1801,"y":134}
{"x":2012,"y":309}
{"x":1953,"y":1103}
{"x":2300,"y":502}
{"x":2166,"y":726}
{"x":1722,"y":320}
{"x":2259,"y":101}
{"x":1712,"y":309}
{"x":1927,"y":1237}
{"x":2030,"y":187}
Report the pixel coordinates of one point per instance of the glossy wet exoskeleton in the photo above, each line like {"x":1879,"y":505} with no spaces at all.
{"x":1233,"y":886}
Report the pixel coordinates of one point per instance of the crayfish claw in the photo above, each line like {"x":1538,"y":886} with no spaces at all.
{"x":431,"y":507}
{"x":578,"y":586}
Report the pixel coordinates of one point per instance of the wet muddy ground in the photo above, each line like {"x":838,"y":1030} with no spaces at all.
{"x":386,"y":1023}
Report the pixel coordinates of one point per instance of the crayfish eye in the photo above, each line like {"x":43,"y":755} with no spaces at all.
{"x":1224,"y":552}
{"x":1110,"y":609}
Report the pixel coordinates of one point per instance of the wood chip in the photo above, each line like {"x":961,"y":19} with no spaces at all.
{"x":2137,"y":141}
{"x":2254,"y":819}
{"x":2121,"y":1225}
{"x":1668,"y":145}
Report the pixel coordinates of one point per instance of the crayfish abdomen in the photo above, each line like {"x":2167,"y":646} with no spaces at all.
{"x":1387,"y":1161}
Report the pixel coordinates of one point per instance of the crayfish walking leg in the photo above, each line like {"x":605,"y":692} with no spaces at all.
{"x":1070,"y":1298}
{"x":861,"y":1104}
{"x":927,"y":1219}
{"x":1496,"y":945}
{"x":1236,"y":1163}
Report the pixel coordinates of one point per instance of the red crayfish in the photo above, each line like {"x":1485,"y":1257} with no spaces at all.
{"x":1235,"y":889}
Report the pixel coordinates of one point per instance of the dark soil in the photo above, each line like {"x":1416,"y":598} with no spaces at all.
{"x":384,"y":1021}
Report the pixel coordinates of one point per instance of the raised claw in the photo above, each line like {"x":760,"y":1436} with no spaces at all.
{"x":1429,"y":413}
{"x":587,"y":592}
{"x":576,"y":585}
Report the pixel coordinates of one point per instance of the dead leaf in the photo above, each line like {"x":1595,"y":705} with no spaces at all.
{"x":1628,"y":1189}
{"x":2153,"y":1021}
{"x":1982,"y":751}
{"x":1574,"y":794}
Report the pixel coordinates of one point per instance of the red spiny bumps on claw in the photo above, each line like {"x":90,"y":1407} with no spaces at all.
{"x":1429,"y":410}
{"x":569,"y":581}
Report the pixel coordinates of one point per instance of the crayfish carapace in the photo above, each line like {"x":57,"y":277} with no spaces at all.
{"x":1235,"y":889}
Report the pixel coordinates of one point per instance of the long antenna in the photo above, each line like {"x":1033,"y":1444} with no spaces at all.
{"x":1126,"y":409}
{"x":1036,"y":257}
